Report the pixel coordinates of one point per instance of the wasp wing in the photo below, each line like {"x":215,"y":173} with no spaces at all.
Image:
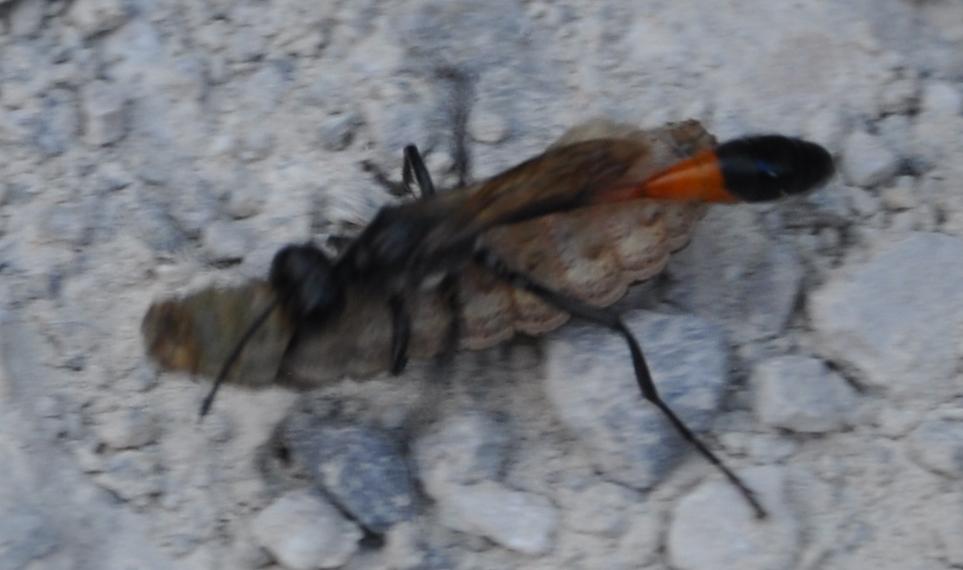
{"x":594,"y":253}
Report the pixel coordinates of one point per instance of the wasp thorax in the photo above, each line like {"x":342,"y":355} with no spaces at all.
{"x":303,"y":278}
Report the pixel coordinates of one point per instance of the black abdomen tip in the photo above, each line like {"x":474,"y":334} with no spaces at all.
{"x":768,"y":167}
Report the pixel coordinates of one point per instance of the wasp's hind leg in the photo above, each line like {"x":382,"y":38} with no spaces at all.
{"x":610,"y":319}
{"x":413,"y":172}
{"x":460,"y":108}
{"x":451,"y":291}
{"x":400,"y":333}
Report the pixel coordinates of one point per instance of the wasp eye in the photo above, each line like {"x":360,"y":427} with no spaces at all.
{"x":303,"y":278}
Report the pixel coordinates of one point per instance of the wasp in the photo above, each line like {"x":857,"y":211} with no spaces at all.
{"x":434,"y":245}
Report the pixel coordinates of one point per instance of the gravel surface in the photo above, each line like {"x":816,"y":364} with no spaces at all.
{"x":148,"y":147}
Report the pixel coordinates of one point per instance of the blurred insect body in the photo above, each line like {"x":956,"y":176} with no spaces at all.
{"x":465,"y":239}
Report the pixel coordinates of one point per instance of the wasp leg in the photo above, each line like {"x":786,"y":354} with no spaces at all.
{"x":610,"y":319}
{"x":460,"y":107}
{"x":451,"y":290}
{"x":401,"y":333}
{"x":414,"y":171}
{"x":379,"y":176}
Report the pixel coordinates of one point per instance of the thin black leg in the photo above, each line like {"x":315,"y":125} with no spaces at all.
{"x":460,"y":106}
{"x":414,"y":171}
{"x":451,"y":291}
{"x":400,"y":333}
{"x":611,"y":319}
{"x":393,"y":188}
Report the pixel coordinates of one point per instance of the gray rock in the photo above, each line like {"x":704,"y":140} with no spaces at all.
{"x":26,"y":534}
{"x":303,"y":532}
{"x":524,"y":522}
{"x":246,"y":197}
{"x":362,"y":469}
{"x":336,"y":131}
{"x":601,"y":509}
{"x":66,"y":223}
{"x":104,"y":108}
{"x":58,"y":124}
{"x":867,"y":161}
{"x":800,"y":393}
{"x":488,"y":127}
{"x":713,"y":527}
{"x":225,"y":242}
{"x":461,"y":448}
{"x":937,"y":444}
{"x":156,"y":228}
{"x":246,"y":44}
{"x":17,"y":347}
{"x":897,"y":318}
{"x":131,"y":475}
{"x":899,"y":96}
{"x":945,"y":518}
{"x":97,"y":16}
{"x":127,"y":428}
{"x":735,"y":274}
{"x":941,"y":98}
{"x":26,"y":18}
{"x":255,"y":144}
{"x":591,"y":384}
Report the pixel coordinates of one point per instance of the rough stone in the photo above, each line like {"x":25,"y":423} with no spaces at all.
{"x":132,"y":475}
{"x":26,"y":534}
{"x":26,"y":19}
{"x":303,"y":532}
{"x":488,"y":127}
{"x":601,"y":509}
{"x":246,"y":197}
{"x":336,"y":131}
{"x":361,"y":468}
{"x":127,"y":428}
{"x":713,"y":527}
{"x":734,"y":273}
{"x":937,"y":444}
{"x":800,"y":393}
{"x":867,"y":161}
{"x":461,"y":448}
{"x":225,"y":242}
{"x":591,"y":385}
{"x":946,"y":521}
{"x":56,"y":128}
{"x":941,"y":98}
{"x":524,"y":522}
{"x":97,"y":16}
{"x":104,"y":108}
{"x":898,"y":317}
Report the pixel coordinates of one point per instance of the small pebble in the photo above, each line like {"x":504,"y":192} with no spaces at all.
{"x":941,"y":98}
{"x":866,"y":160}
{"x":337,"y":131}
{"x":225,"y":242}
{"x":104,"y":107}
{"x":800,"y":393}
{"x":96,"y":16}
{"x":524,"y":522}
{"x":937,"y":444}
{"x":713,"y":527}
{"x":127,"y":428}
{"x":304,"y":532}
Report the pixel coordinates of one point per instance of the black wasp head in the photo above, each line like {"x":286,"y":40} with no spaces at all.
{"x":304,"y":279}
{"x":768,"y":167}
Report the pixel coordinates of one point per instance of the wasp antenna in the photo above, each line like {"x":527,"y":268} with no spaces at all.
{"x":233,"y":356}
